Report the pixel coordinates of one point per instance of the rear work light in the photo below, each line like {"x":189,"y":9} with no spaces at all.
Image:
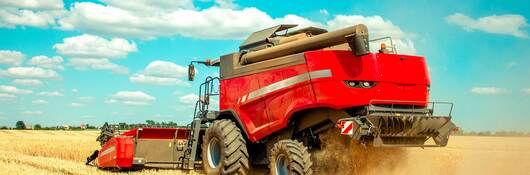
{"x":360,"y":84}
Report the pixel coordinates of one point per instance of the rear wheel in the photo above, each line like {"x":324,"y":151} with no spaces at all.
{"x":290,"y":157}
{"x":224,"y":150}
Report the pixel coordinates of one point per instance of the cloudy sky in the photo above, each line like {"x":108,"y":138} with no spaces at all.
{"x":125,"y":61}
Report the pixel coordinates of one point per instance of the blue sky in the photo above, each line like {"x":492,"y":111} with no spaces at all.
{"x":78,"y":62}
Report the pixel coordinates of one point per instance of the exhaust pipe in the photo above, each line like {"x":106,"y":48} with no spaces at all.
{"x":356,"y":36}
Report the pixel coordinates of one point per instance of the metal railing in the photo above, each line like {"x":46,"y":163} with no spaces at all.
{"x":391,"y":48}
{"x":209,"y":88}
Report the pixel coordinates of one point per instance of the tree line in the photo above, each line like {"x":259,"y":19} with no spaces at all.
{"x":21,"y":125}
{"x":147,"y":124}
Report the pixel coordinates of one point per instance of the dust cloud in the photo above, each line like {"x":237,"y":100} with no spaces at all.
{"x":342,"y":155}
{"x":463,"y":155}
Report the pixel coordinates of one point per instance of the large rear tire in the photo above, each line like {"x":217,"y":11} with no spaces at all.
{"x":224,"y":150}
{"x":290,"y":157}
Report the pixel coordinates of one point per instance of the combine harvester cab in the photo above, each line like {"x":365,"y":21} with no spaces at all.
{"x":311,"y":80}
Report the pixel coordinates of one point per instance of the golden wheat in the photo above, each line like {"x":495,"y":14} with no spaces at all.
{"x":54,"y":152}
{"x":64,"y":152}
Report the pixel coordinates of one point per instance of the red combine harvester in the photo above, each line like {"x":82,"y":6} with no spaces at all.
{"x":278,"y":93}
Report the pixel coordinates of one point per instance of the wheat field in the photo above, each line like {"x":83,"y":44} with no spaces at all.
{"x":64,"y":152}
{"x":54,"y":152}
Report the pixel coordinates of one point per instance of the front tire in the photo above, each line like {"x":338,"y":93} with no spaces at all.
{"x":290,"y":157}
{"x":224,"y":150}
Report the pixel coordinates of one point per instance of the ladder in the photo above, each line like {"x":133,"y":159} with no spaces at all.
{"x":201,"y":116}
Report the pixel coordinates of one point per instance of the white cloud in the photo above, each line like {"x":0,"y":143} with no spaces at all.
{"x":488,"y":90}
{"x":32,"y":112}
{"x":36,"y":13}
{"x":28,"y":72}
{"x":165,"y":69}
{"x":499,"y":24}
{"x":87,"y":98}
{"x":97,"y":64}
{"x":131,"y":98}
{"x":161,"y":73}
{"x":526,"y":91}
{"x":226,"y":4}
{"x":211,"y":23}
{"x":189,"y":99}
{"x":75,"y":90}
{"x":512,"y":64}
{"x":12,"y":17}
{"x":76,"y":105}
{"x":10,"y":57}
{"x":150,"y":6}
{"x":136,"y":103}
{"x":40,"y":102}
{"x":91,"y":46}
{"x":28,"y":82}
{"x":153,"y":80}
{"x":33,"y":4}
{"x":93,"y":52}
{"x":14,"y":90}
{"x":323,"y":12}
{"x":50,"y":94}
{"x":47,"y":62}
{"x":6,"y":97}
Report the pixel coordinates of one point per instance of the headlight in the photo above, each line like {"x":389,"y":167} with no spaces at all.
{"x":360,"y":84}
{"x":366,"y":84}
{"x":352,"y":83}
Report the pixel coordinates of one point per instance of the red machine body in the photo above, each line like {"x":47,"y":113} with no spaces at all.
{"x":265,"y":102}
{"x":117,"y":153}
{"x":121,"y":151}
{"x":278,"y":93}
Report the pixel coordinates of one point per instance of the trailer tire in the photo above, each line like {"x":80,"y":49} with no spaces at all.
{"x":224,"y":150}
{"x":290,"y":157}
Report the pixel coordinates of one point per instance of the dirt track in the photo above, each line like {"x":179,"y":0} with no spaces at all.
{"x":463,"y":155}
{"x":59,"y":152}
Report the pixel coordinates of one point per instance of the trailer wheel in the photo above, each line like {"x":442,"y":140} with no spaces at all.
{"x":290,"y":157}
{"x":224,"y":150}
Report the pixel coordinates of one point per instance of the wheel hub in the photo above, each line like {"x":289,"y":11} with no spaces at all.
{"x":214,"y":153}
{"x":282,"y":165}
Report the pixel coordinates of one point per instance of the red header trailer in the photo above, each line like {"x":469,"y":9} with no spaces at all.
{"x":140,"y":147}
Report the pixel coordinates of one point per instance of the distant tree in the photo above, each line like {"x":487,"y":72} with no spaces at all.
{"x":37,"y":127}
{"x":90,"y":127}
{"x":20,"y":125}
{"x":122,"y":125}
{"x":4,"y":127}
{"x":172,"y":124}
{"x":150,"y":122}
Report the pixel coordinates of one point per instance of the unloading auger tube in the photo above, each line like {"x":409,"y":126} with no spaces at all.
{"x":356,"y":36}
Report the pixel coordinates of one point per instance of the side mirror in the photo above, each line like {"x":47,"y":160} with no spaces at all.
{"x":191,"y":72}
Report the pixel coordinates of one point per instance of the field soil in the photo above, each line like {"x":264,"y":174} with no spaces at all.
{"x":64,"y":152}
{"x":463,"y":155}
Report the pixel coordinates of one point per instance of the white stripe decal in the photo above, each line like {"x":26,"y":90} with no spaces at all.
{"x":320,"y":74}
{"x":286,"y":83}
{"x":109,"y":150}
{"x":244,"y":98}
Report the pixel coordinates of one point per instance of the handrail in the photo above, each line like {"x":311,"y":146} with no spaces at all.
{"x":392,"y":44}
